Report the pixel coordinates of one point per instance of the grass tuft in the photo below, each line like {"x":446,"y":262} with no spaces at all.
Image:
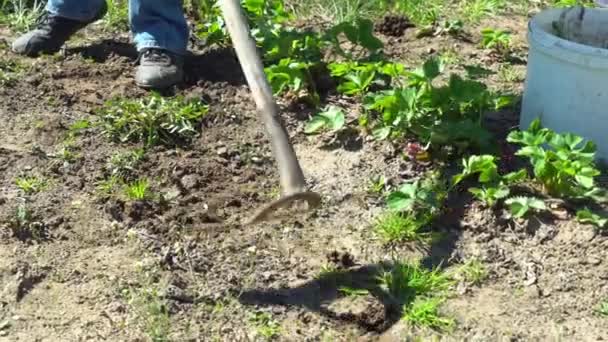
{"x":401,"y":227}
{"x":31,"y":184}
{"x":419,"y":291}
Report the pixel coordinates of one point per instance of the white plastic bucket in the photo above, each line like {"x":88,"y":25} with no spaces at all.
{"x":566,"y":84}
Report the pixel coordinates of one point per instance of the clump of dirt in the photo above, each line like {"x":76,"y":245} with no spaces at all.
{"x":394,"y":25}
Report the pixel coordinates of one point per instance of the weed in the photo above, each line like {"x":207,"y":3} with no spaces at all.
{"x":138,"y":190}
{"x":150,"y":308}
{"x":425,"y":195}
{"x":10,"y":70}
{"x":20,"y":15}
{"x":338,"y":11}
{"x":117,"y":17}
{"x":508,"y":74}
{"x":406,"y":280}
{"x":352,"y":292}
{"x":265,"y":325}
{"x":472,"y":272}
{"x":109,"y":185}
{"x":153,"y":120}
{"x":420,"y":12}
{"x":376,"y":185}
{"x":31,"y":184}
{"x":399,"y":227}
{"x":25,"y":227}
{"x":494,"y":39}
{"x":475,"y":10}
{"x":419,"y":291}
{"x":603,"y":309}
{"x":425,"y":312}
{"x":124,"y":164}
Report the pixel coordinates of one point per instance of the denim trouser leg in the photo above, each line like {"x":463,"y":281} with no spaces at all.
{"x":155,"y":23}
{"x":159,"y":24}
{"x":81,"y":10}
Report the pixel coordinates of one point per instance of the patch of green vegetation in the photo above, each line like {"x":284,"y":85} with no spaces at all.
{"x":376,"y":185}
{"x":20,"y":15}
{"x":401,"y":227}
{"x":265,"y":326}
{"x":353,"y":292}
{"x":153,"y":120}
{"x":331,"y":119}
{"x":138,"y":190}
{"x":420,"y":12}
{"x":10,"y":71}
{"x":494,"y":187}
{"x":450,"y":114}
{"x":495,"y":39}
{"x":603,"y":309}
{"x":475,"y":10}
{"x":124,"y":164}
{"x":520,"y":206}
{"x":589,"y":217}
{"x":24,"y":226}
{"x":508,"y":74}
{"x":563,"y":163}
{"x":31,"y":184}
{"x":338,"y":11}
{"x":150,"y":308}
{"x":117,"y":17}
{"x":412,"y":209}
{"x":472,"y":272}
{"x":424,"y":312}
{"x":419,"y":291}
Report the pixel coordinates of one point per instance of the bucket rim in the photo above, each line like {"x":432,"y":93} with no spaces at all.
{"x":550,"y":41}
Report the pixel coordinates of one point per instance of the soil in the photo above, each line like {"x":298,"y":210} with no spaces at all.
{"x":70,"y":282}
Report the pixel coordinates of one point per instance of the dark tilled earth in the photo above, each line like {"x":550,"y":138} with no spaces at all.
{"x":546,"y":275}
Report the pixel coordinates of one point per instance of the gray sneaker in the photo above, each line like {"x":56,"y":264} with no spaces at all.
{"x":50,"y":34}
{"x":159,"y":69}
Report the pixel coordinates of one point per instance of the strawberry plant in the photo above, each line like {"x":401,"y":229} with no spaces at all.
{"x":332,"y":118}
{"x":356,"y":78}
{"x":359,"y":32}
{"x":520,"y":206}
{"x":447,"y":115}
{"x":562,"y":163}
{"x":422,"y":196}
{"x":494,"y":187}
{"x":588,"y":217}
{"x":288,"y":75}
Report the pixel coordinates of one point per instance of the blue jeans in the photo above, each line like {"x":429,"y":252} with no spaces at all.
{"x":154,"y":23}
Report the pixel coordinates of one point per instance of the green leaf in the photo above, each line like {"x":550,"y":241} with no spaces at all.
{"x":515,"y":177}
{"x":520,"y":206}
{"x":588,"y":217}
{"x":332,"y":118}
{"x":432,"y":68}
{"x":381,"y":133}
{"x":315,"y":124}
{"x":403,"y":199}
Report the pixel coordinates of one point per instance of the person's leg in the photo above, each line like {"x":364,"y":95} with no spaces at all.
{"x":160,"y":33}
{"x":79,"y":10}
{"x":58,"y":23}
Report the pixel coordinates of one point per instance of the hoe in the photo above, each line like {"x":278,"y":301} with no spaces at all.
{"x":293,"y":184}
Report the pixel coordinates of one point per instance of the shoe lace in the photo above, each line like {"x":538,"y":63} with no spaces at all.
{"x":155,"y":55}
{"x":43,"y":20}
